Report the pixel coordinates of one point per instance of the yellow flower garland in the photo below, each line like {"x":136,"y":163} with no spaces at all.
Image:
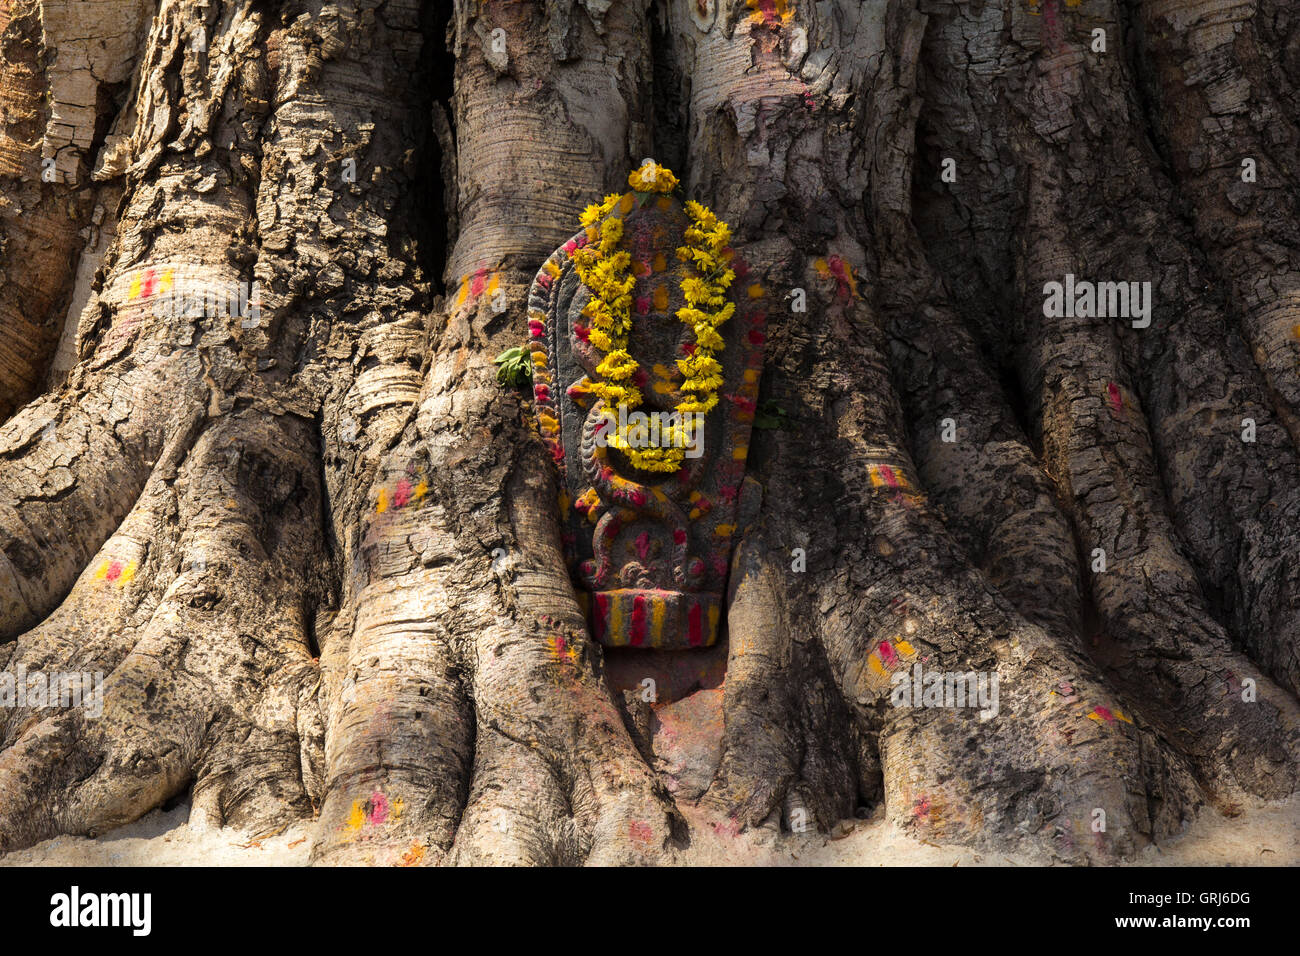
{"x":603,"y":268}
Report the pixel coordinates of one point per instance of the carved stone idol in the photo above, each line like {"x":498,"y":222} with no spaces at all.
{"x":647,"y":345}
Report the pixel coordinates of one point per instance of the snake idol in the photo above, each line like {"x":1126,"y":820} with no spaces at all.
{"x":647,"y":348}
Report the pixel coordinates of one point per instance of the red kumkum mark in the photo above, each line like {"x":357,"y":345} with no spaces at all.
{"x":1051,"y":24}
{"x":379,"y":808}
{"x":642,"y":545}
{"x":638,"y":621}
{"x":114,"y":571}
{"x":402,"y":494}
{"x":727,"y":828}
{"x":1116,"y":399}
{"x":695,"y":625}
{"x":836,"y":265}
{"x":478,"y":283}
{"x":887,"y":654}
{"x":602,"y":615}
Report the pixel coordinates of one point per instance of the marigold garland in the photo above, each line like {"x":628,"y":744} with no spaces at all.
{"x":604,"y":269}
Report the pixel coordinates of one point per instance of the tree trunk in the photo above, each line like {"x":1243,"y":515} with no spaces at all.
{"x":257,"y":465}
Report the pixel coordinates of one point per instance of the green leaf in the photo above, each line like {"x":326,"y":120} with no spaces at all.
{"x":769,"y":415}
{"x":514,"y":368}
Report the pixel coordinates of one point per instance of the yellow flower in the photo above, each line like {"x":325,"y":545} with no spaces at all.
{"x":604,"y":269}
{"x":695,"y":290}
{"x":706,"y":337}
{"x":707,"y":368}
{"x":617,"y":365}
{"x":650,"y":177}
{"x":697,"y":405}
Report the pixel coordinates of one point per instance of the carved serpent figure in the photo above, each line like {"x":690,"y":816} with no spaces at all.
{"x":672,"y":327}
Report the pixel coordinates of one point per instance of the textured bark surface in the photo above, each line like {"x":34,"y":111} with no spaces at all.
{"x":315,"y":546}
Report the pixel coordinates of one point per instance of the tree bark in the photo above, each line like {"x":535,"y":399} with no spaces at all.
{"x":317,"y":546}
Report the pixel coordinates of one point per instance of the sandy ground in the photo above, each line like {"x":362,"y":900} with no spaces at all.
{"x":1266,"y":834}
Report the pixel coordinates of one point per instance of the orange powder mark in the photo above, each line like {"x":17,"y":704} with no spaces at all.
{"x":771,"y":12}
{"x":414,"y":855}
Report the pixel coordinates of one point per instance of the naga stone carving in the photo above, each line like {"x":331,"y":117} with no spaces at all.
{"x":646,"y":337}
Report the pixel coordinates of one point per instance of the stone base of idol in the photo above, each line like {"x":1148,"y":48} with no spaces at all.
{"x":673,"y":701}
{"x":653,"y":618}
